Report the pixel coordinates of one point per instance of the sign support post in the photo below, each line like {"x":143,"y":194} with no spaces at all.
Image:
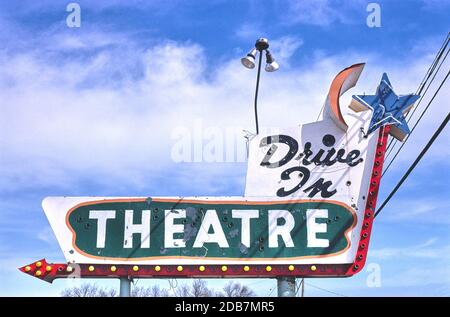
{"x":286,"y":286}
{"x":303,"y":287}
{"x":125,"y":287}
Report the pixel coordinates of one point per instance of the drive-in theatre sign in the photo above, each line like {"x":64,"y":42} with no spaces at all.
{"x":308,"y":207}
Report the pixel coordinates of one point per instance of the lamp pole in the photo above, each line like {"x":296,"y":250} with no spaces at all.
{"x":248,"y":61}
{"x":285,"y":284}
{"x":256,"y":92}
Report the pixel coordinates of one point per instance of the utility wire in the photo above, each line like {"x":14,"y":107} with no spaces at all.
{"x":271,"y":291}
{"x":434,"y":63}
{"x":325,"y":290}
{"x":423,"y":83}
{"x":321,"y":110}
{"x":298,"y":285}
{"x":433,"y":66}
{"x":415,"y":125}
{"x":394,"y":141}
{"x":416,"y":161}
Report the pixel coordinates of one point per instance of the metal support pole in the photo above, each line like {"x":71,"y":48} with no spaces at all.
{"x":125,"y":287}
{"x":256,"y":91}
{"x":286,"y":286}
{"x":303,"y":287}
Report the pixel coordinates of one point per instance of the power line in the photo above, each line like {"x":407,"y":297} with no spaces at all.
{"x":325,"y":290}
{"x":423,"y":83}
{"x":419,"y":92}
{"x":299,"y":285}
{"x":416,"y":161}
{"x":434,"y":63}
{"x":417,"y":122}
{"x":417,"y":105}
{"x":321,"y":110}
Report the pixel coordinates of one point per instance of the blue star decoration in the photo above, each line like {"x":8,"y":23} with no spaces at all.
{"x":387,"y":108}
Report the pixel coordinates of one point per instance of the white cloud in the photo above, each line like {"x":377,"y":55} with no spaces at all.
{"x":108,"y":113}
{"x":249,"y":31}
{"x":428,"y":274}
{"x":424,"y":264}
{"x":321,"y":12}
{"x":425,"y":250}
{"x":284,"y":48}
{"x":47,"y":235}
{"x":101,"y":106}
{"x":425,"y":208}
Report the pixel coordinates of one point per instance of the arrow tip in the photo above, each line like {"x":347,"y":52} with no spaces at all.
{"x":39,"y":269}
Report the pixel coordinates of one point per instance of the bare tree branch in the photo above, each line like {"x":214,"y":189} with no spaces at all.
{"x":198,"y":288}
{"x":233,"y":289}
{"x":88,"y":290}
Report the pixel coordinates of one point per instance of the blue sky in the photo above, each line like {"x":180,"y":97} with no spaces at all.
{"x":91,"y":111}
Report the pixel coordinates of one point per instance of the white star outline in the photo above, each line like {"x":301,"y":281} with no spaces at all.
{"x":389,"y":116}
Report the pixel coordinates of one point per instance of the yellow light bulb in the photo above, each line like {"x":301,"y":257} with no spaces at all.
{"x":246,"y":268}
{"x":268,"y":268}
{"x":135,"y":268}
{"x":157,"y":268}
{"x":27,"y":268}
{"x":113,"y":268}
{"x":48,"y":268}
{"x":38,"y":264}
{"x":179,"y":268}
{"x":201,"y":268}
{"x":313,"y":268}
{"x":224,"y":268}
{"x":291,"y":268}
{"x":91,"y":268}
{"x":38,"y":273}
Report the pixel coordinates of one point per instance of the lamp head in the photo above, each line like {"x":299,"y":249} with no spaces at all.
{"x":249,"y":60}
{"x":271,"y":65}
{"x":262,"y":44}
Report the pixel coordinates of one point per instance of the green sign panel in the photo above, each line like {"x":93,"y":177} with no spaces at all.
{"x":151,"y":229}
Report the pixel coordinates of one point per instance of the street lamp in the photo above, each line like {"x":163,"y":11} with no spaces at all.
{"x":248,"y":61}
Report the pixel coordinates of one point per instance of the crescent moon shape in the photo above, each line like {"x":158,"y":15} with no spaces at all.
{"x":343,"y":81}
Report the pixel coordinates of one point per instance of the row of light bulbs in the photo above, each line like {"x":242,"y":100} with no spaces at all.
{"x":201,"y":268}
{"x":157,"y":268}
